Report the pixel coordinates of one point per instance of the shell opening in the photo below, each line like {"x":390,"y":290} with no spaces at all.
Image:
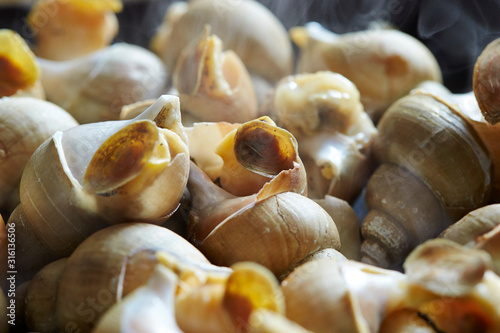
{"x":251,"y":287}
{"x":124,"y":155}
{"x":265,"y":148}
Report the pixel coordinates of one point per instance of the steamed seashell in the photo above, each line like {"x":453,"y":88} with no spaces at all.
{"x":95,"y":87}
{"x":257,"y":213}
{"x":25,"y":123}
{"x":72,"y":28}
{"x":243,"y":158}
{"x":485,"y":82}
{"x":467,"y":105}
{"x":445,"y":267}
{"x":452,"y":287}
{"x":19,"y":69}
{"x":246,"y":27}
{"x":488,"y":133}
{"x":383,"y":64}
{"x":214,"y":85}
{"x":111,"y":264}
{"x":221,"y":303}
{"x":342,"y":296}
{"x":427,"y":150}
{"x":323,"y":111}
{"x":276,"y":228}
{"x":98,"y":174}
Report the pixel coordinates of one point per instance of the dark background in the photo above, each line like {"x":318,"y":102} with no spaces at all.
{"x":456,"y":31}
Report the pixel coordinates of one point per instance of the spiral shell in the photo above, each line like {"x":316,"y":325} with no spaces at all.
{"x":324,"y":113}
{"x":95,"y":87}
{"x":246,"y":27}
{"x":342,"y":296}
{"x":276,"y":228}
{"x":214,"y":85}
{"x":94,"y":175}
{"x":110,"y":264}
{"x":428,"y":151}
{"x":383,"y":64}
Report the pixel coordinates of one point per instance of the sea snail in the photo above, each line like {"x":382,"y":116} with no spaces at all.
{"x":485,"y":81}
{"x":73,"y":28}
{"x":452,"y":287}
{"x":214,"y":85}
{"x":332,"y":295}
{"x":106,"y":267}
{"x":247,"y":158}
{"x":383,"y":64}
{"x":468,"y":106}
{"x":324,"y":113}
{"x":434,"y":169}
{"x":246,"y":27}
{"x":259,"y":212}
{"x":95,"y":87}
{"x":85,"y":178}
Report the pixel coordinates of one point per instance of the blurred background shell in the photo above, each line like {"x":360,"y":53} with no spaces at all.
{"x":455,"y":31}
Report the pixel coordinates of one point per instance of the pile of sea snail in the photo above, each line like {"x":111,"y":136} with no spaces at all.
{"x":206,"y":185}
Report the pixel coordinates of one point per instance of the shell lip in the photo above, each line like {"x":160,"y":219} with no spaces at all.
{"x":75,"y":153}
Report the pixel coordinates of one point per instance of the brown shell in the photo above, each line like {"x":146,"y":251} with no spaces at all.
{"x":396,"y":222}
{"x":423,"y":134}
{"x":429,"y":152}
{"x":489,"y":134}
{"x":485,"y":82}
{"x":276,"y":232}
